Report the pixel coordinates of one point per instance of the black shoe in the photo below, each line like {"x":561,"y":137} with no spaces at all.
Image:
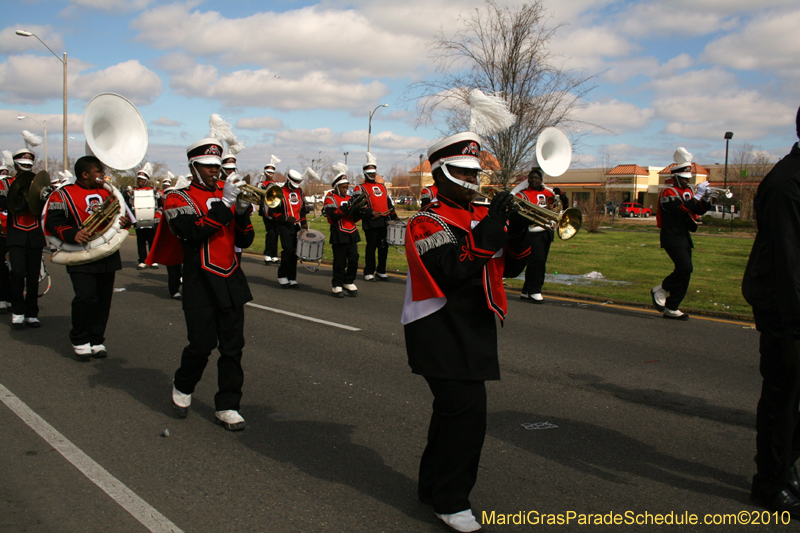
{"x":794,"y":481}
{"x":182,"y":412}
{"x":782,"y":501}
{"x":671,"y":315}
{"x":339,"y":294}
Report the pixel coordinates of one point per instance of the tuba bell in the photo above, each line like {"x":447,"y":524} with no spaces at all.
{"x":116,"y":134}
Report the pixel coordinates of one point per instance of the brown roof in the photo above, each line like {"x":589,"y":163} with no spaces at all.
{"x":696,"y":169}
{"x":627,"y":170}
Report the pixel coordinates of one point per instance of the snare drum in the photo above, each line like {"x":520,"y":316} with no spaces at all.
{"x":144,"y":208}
{"x":396,"y":233}
{"x":309,"y":245}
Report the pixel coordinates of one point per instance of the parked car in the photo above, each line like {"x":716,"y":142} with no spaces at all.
{"x":632,"y":209}
{"x":722,"y":211}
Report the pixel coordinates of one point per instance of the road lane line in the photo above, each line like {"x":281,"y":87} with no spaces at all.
{"x":303,"y":317}
{"x":125,"y":497}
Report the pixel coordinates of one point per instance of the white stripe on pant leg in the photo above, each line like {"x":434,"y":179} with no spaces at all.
{"x":137,"y":507}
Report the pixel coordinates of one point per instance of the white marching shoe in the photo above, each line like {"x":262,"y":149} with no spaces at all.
{"x":677,"y":314}
{"x":659,"y":296}
{"x":181,"y":402}
{"x":462,"y":521}
{"x":351,"y":289}
{"x":99,"y":351}
{"x":17,"y":321}
{"x":83,"y":351}
{"x":230,"y":420}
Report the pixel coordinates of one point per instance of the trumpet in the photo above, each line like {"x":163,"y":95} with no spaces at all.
{"x":566,"y":223}
{"x":272,"y":196}
{"x":714,"y":192}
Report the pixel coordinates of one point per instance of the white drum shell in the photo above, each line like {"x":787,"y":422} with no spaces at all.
{"x":310,"y":245}
{"x":144,"y":208}
{"x":396,"y":233}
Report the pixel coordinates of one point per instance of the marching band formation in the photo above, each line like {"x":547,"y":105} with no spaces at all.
{"x":459,"y":248}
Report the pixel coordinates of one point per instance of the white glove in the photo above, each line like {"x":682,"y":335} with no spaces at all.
{"x":230,"y":192}
{"x":701,"y":191}
{"x":242,"y":206}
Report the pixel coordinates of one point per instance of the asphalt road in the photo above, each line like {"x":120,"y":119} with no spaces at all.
{"x":601,"y":409}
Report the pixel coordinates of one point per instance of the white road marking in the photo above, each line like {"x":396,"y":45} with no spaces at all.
{"x":125,"y":497}
{"x":303,"y":317}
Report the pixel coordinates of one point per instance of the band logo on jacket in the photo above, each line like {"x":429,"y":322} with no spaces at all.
{"x":294,"y":198}
{"x":93,"y":203}
{"x":377,"y":191}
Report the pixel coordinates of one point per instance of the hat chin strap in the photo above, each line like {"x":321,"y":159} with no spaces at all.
{"x":460,"y":183}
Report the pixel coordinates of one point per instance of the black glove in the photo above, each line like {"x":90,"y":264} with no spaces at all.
{"x":501,"y":206}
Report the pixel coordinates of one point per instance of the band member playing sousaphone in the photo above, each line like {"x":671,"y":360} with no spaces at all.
{"x":203,"y":225}
{"x":342,"y":215}
{"x":25,"y":240}
{"x":378,"y":211}
{"x":66,"y":211}
{"x":290,"y":218}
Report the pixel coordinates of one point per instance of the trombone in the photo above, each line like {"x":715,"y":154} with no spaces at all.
{"x":566,"y":223}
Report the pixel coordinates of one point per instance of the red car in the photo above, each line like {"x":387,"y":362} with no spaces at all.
{"x":631,"y":209}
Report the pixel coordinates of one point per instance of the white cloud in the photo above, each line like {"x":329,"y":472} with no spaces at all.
{"x":27,"y":79}
{"x":327,"y":138}
{"x":259,"y":123}
{"x":770,"y":42}
{"x":588,"y":47}
{"x":164,"y":121}
{"x":111,"y":5}
{"x":614,"y":115}
{"x":260,"y":88}
{"x":344,"y":41}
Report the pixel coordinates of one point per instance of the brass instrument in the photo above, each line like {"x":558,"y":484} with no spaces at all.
{"x":714,"y":192}
{"x":272,"y":196}
{"x":357,"y":201}
{"x":102,"y":217}
{"x":565,"y":223}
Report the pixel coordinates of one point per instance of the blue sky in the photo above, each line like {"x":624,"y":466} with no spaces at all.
{"x":298,"y":79}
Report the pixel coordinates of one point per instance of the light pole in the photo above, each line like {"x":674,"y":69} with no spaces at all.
{"x":419,"y":191}
{"x":369,"y":134}
{"x":64,"y":62}
{"x":728,"y":137}
{"x":43,"y":124}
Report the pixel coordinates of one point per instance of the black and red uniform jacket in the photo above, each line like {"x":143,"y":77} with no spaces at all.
{"x":428,"y":195}
{"x":22,"y":230}
{"x":543,"y":198}
{"x":3,"y":213}
{"x":66,"y":209}
{"x":457,"y":258}
{"x":263,"y":210}
{"x":207,"y":232}
{"x":293,"y":205}
{"x":377,"y":200}
{"x":343,"y":226}
{"x":677,"y":216}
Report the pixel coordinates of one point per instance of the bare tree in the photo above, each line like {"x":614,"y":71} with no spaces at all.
{"x":504,"y":51}
{"x":748,"y":168}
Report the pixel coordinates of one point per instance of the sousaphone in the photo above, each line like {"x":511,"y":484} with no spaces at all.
{"x":116,"y":134}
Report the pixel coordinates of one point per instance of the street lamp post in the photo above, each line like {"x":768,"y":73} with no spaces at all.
{"x":369,"y":134}
{"x":345,"y":157}
{"x":64,"y":62}
{"x":728,"y":137}
{"x":419,"y":191}
{"x":43,"y":124}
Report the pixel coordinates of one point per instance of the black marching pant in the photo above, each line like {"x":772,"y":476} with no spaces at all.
{"x":208,"y":328}
{"x":345,"y":263}
{"x":777,"y":419}
{"x":271,"y":238}
{"x":288,"y":266}
{"x":144,"y":241}
{"x":91,"y":306}
{"x":537,"y":261}
{"x":376,"y":241}
{"x":449,"y":466}
{"x":174,"y":273}
{"x":5,"y":280}
{"x":677,"y":283}
{"x":26,"y":262}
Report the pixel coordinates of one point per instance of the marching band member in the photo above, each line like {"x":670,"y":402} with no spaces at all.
{"x":271,"y":238}
{"x":174,"y":272}
{"x":290,"y":218}
{"x":458,"y":254}
{"x":5,"y":282}
{"x":25,"y":242}
{"x":228,"y":166}
{"x":378,"y":211}
{"x":428,"y":195}
{"x":209,"y":222}
{"x":539,"y":238}
{"x":338,"y":208}
{"x":93,"y":283}
{"x":145,"y":236}
{"x":678,"y":210}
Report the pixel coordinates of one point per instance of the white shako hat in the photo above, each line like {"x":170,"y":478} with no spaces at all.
{"x":145,"y":172}
{"x":371,"y":162}
{"x":341,"y":174}
{"x":206,"y":151}
{"x":229,"y":162}
{"x":270,"y":167}
{"x":294,"y":178}
{"x":683,"y":163}
{"x":168,"y":180}
{"x":4,"y":172}
{"x":24,"y":158}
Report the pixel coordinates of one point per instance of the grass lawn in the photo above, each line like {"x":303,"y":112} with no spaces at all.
{"x":629,"y":253}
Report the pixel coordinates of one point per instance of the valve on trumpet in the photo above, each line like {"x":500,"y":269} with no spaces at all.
{"x":714,"y":192}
